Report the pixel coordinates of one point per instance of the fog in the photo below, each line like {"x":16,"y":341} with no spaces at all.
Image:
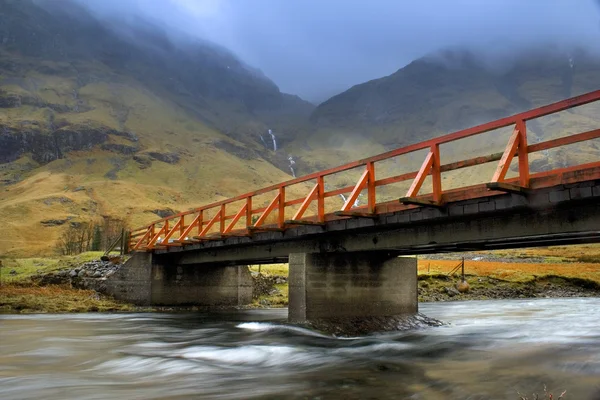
{"x":317,"y":48}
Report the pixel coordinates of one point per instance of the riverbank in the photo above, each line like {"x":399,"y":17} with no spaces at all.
{"x":441,"y":287}
{"x":75,"y":283}
{"x":548,"y":272}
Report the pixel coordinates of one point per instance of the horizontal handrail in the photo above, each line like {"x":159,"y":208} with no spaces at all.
{"x":224,"y":221}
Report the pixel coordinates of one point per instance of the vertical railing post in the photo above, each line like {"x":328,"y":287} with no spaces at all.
{"x":523,"y":155}
{"x":281,"y":217}
{"x":371,"y":187}
{"x":321,"y":199}
{"x":182,"y":225}
{"x":200,"y":221}
{"x":248,"y":211}
{"x":166,"y":227}
{"x":436,"y":175}
{"x":222,"y":219}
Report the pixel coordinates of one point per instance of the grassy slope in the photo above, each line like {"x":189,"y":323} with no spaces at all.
{"x":423,"y":101}
{"x":205,"y":173}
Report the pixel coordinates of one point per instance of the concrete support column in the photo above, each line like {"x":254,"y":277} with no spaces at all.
{"x":143,"y":280}
{"x":349,"y":285}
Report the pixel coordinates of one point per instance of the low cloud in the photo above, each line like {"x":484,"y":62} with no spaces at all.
{"x":317,"y":48}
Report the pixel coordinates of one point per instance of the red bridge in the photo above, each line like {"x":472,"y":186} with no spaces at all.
{"x":237,"y":217}
{"x":332,"y":250}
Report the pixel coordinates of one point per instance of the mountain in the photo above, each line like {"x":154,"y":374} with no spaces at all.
{"x":123,"y":119}
{"x":453,"y":90}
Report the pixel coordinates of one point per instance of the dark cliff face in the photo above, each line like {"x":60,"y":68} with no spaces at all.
{"x":64,"y":39}
{"x":46,"y":147}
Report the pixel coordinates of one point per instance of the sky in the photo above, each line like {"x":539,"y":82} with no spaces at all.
{"x":318,"y":48}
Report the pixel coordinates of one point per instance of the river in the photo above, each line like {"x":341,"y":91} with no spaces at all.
{"x":489,"y":350}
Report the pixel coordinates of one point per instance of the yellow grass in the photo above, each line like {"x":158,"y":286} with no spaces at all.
{"x":513,"y":271}
{"x":55,"y":299}
{"x":26,"y":267}
{"x":271,"y":269}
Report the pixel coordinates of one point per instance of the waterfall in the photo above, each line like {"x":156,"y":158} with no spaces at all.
{"x":292,"y":162}
{"x":274,"y":141}
{"x":262,"y":139}
{"x":356,"y":202}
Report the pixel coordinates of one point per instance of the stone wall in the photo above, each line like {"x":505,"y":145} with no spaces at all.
{"x":131,"y":282}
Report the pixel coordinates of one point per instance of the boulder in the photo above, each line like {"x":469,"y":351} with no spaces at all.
{"x":463,"y":286}
{"x":451,"y":291}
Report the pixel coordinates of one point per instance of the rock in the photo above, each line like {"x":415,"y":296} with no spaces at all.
{"x":97,"y":274}
{"x":463,"y":286}
{"x":169,"y":158}
{"x":53,"y":222}
{"x":143,"y":161}
{"x":163,"y":213}
{"x":355,"y":326}
{"x":451,"y":291}
{"x":73,"y":273}
{"x":13,"y":272}
{"x":120,"y":148}
{"x":9,"y":100}
{"x":104,"y":258}
{"x":79,"y":189}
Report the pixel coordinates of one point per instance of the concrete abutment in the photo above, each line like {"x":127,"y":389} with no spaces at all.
{"x":351,"y":285}
{"x":142,"y":280}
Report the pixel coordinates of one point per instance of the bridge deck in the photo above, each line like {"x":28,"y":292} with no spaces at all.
{"x":217,"y":224}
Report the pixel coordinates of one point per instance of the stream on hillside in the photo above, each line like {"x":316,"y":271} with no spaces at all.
{"x":489,"y":350}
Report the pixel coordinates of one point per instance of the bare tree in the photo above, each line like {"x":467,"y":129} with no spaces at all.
{"x":90,"y":235}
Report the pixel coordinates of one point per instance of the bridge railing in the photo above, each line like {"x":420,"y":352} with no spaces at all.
{"x":240,"y":216}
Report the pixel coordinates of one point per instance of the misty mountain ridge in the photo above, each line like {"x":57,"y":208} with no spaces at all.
{"x":119,"y":117}
{"x":453,"y":90}
{"x":428,"y":86}
{"x":204,"y":78}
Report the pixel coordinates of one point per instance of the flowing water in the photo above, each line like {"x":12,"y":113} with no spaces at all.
{"x":490,"y":350}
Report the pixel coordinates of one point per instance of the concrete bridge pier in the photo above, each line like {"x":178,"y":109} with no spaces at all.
{"x":149,"y":280}
{"x":351,"y":285}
